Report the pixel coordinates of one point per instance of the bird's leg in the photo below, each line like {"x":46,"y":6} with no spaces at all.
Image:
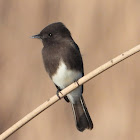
{"x":57,"y":93}
{"x":59,"y":90}
{"x":65,"y":97}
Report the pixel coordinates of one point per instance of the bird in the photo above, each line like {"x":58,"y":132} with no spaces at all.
{"x":64,"y":65}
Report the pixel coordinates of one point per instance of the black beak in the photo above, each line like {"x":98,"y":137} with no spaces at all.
{"x":37,"y":36}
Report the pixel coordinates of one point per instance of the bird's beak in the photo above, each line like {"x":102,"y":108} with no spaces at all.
{"x":36,"y":36}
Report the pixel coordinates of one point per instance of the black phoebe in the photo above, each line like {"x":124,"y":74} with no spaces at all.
{"x":63,"y":62}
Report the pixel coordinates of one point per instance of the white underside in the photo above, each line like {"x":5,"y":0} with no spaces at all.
{"x":64,"y":77}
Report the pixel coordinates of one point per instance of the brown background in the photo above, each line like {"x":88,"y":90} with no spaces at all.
{"x":103,"y":30}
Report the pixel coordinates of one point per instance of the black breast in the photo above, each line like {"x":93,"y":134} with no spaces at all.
{"x":52,"y":55}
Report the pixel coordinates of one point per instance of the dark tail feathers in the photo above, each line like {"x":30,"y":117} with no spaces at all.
{"x":82,"y":117}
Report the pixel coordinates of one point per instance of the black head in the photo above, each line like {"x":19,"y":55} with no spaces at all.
{"x":53,"y":33}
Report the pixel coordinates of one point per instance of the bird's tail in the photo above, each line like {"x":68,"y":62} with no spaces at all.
{"x":82,"y":117}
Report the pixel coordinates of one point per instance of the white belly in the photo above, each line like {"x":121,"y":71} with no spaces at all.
{"x":64,"y":77}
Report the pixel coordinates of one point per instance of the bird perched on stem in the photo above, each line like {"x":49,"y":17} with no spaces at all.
{"x":63,"y":62}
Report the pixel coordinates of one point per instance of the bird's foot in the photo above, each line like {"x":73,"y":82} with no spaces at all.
{"x":57,"y":93}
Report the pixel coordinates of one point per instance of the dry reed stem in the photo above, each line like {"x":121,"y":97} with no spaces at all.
{"x":65,"y":91}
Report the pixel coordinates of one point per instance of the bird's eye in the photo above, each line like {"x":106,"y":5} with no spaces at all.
{"x":50,"y":35}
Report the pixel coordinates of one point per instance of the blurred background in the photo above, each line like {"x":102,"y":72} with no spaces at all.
{"x":103,"y":30}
